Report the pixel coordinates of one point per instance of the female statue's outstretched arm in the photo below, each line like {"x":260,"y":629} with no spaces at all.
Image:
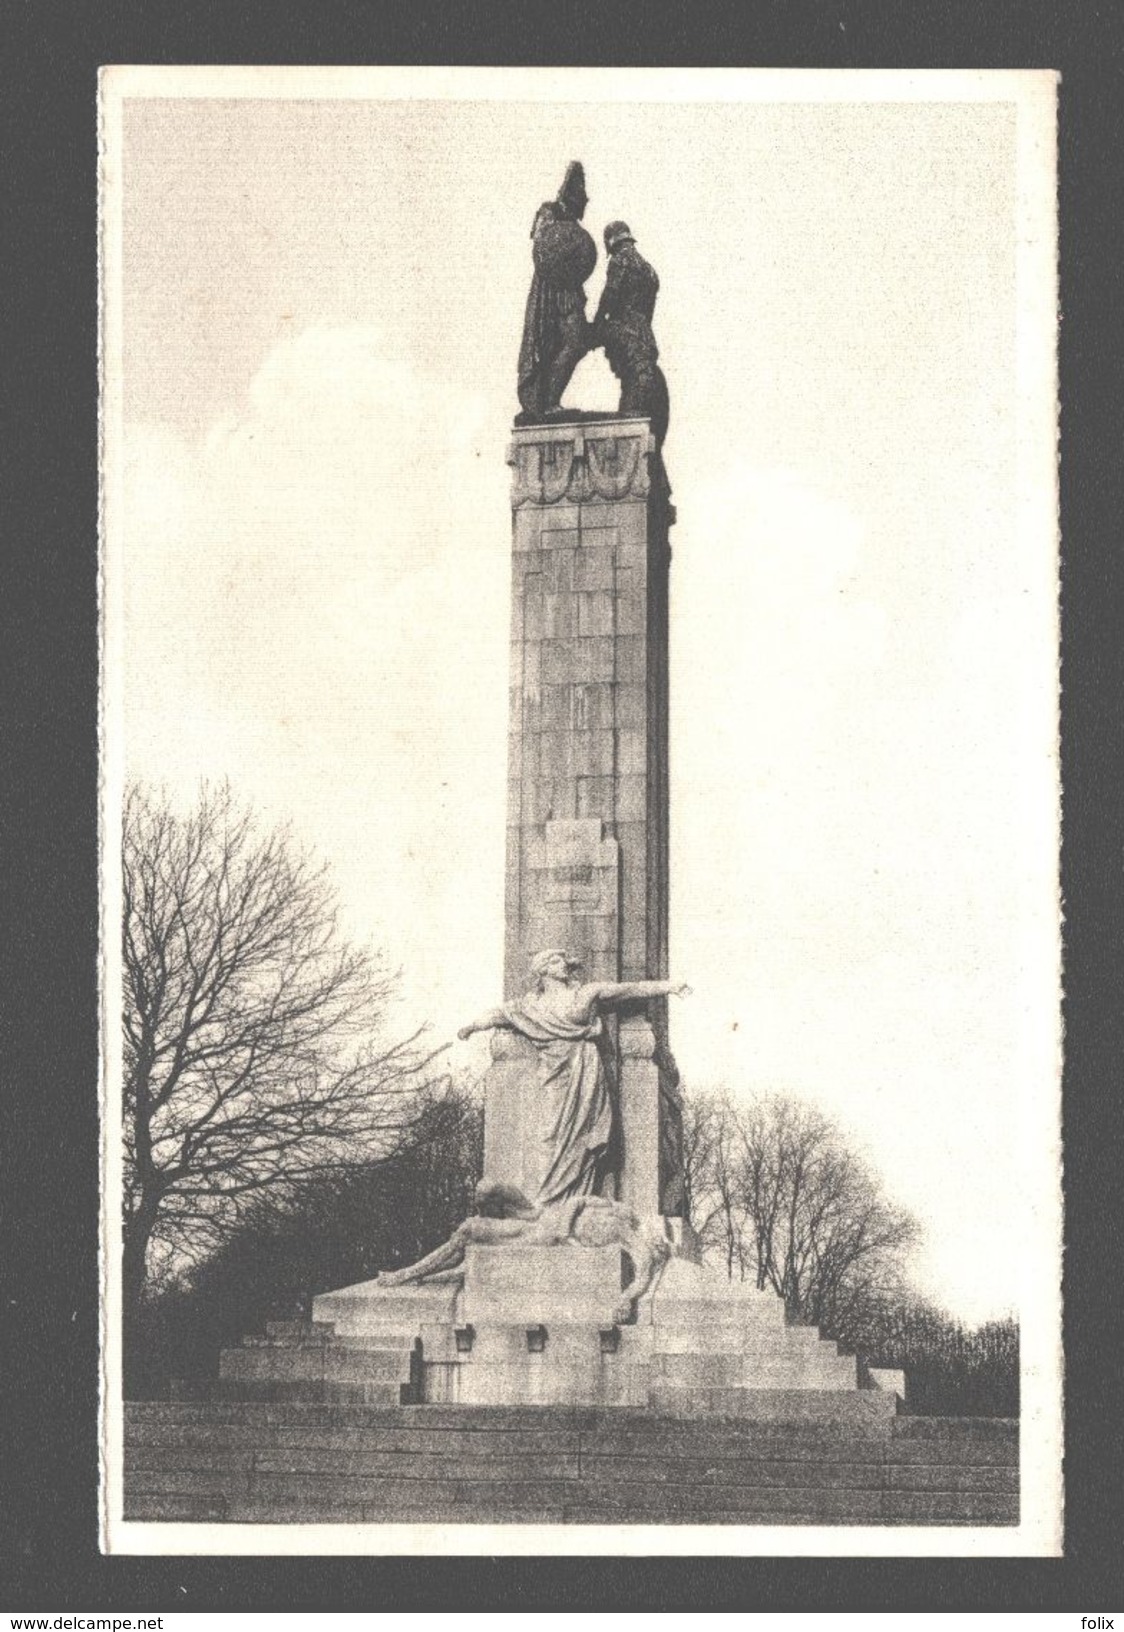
{"x":616,"y":991}
{"x":486,"y":1022}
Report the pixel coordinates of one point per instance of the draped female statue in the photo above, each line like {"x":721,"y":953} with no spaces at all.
{"x":561,"y":1018}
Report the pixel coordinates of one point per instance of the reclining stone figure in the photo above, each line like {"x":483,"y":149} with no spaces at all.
{"x":504,"y":1214}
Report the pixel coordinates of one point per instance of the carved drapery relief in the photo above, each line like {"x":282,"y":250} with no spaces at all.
{"x":570,"y":464}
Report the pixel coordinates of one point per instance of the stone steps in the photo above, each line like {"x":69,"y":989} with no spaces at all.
{"x":734,"y":1337}
{"x":340,"y":1363}
{"x":272,"y":1389}
{"x":376,"y":1339}
{"x":318,"y":1463}
{"x":305,"y":1360}
{"x":157,"y":1439}
{"x":369,"y":1308}
{"x":320,"y":1335}
{"x":759,"y":1311}
{"x":826,"y":1399}
{"x":810,"y":1369}
{"x":155,"y":1464}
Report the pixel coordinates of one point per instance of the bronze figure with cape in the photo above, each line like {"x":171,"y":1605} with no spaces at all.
{"x":556,"y":335}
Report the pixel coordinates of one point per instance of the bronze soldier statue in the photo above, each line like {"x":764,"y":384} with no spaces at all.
{"x":556,"y":335}
{"x":623,"y":325}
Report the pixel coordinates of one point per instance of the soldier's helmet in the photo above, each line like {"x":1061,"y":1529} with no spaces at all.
{"x":617,"y":233}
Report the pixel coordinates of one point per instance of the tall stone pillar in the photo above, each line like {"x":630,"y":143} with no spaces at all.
{"x":587,"y":818}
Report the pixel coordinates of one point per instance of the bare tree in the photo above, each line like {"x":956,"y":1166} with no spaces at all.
{"x":701,"y":1118}
{"x":715,"y":1180}
{"x":250,"y":1028}
{"x":827,"y":1238}
{"x":780,"y":1195}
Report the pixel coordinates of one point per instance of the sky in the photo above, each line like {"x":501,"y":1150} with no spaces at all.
{"x":318,"y":315}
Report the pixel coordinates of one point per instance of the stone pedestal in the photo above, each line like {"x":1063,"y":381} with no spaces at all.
{"x":587,"y":855}
{"x":534,"y":1325}
{"x":522,"y":1324}
{"x":541,"y":1286}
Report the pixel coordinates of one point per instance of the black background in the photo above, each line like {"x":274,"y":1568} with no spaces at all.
{"x":51,"y":52}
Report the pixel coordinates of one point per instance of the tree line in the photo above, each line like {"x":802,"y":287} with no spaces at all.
{"x":278,"y":1144}
{"x":779,"y":1198}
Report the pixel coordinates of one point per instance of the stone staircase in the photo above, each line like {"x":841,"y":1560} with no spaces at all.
{"x":534,"y":1325}
{"x":300,"y":1462}
{"x":714,"y":1343}
{"x":305,"y":1360}
{"x":510,"y":1394}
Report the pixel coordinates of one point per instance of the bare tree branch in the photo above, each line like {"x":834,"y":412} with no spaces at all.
{"x":776,"y":1191}
{"x":252,"y":1048}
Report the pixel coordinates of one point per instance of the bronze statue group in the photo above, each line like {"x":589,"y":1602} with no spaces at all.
{"x":556,"y":332}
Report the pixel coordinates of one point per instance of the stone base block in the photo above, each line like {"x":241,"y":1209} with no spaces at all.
{"x":538,"y":1380}
{"x":690,"y":1293}
{"x":311,"y":1391}
{"x":302,"y":1360}
{"x":536,"y":1325}
{"x":568,"y":1343}
{"x":891,"y":1380}
{"x":370,"y":1309}
{"x":525,"y":1286}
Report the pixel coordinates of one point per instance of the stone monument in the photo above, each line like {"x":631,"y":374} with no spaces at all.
{"x":540,"y":1362}
{"x":575,"y":1281}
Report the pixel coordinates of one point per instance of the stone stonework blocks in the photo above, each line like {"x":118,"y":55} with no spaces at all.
{"x":587,"y":855}
{"x":596,"y":612}
{"x":596,"y":796}
{"x":632,"y":792}
{"x":632,"y":753}
{"x":577,"y":706}
{"x":565,"y":519}
{"x":631,"y":659}
{"x":585,"y":658}
{"x":549,"y":617}
{"x":603,"y":537}
{"x":595,"y":933}
{"x":631,"y":705}
{"x":575,"y":892}
{"x":578,"y":844}
{"x":595,"y":753}
{"x":630,"y":606}
{"x":595,"y":569}
{"x":559,"y":571}
{"x":563,"y":538}
{"x":278,"y":1463}
{"x":576,"y":754}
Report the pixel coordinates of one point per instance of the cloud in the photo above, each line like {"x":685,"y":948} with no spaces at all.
{"x":316,"y":606}
{"x":848,"y":866}
{"x":287,"y":560}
